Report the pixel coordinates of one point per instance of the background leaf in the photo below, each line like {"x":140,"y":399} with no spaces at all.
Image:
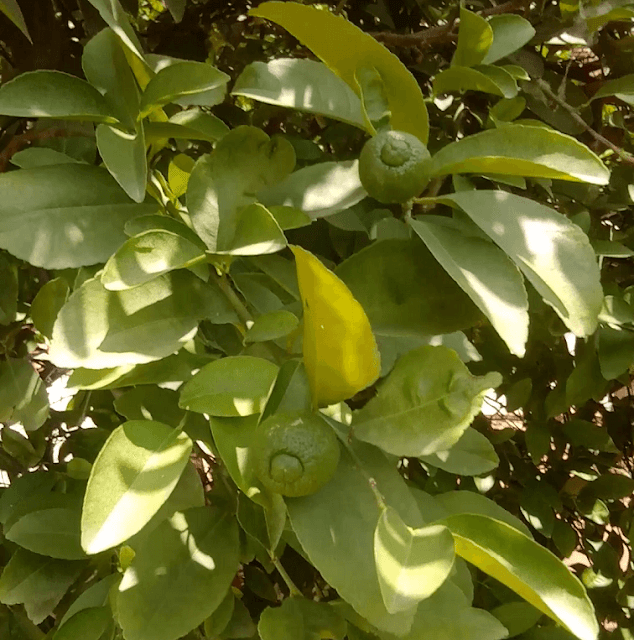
{"x":474,"y":39}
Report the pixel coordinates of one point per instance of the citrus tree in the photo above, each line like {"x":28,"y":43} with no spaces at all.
{"x":280,"y":287}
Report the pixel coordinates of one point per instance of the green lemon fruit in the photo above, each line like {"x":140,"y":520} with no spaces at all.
{"x":295,"y":454}
{"x":394,"y":166}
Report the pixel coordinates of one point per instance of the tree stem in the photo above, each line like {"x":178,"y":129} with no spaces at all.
{"x":292,"y":587}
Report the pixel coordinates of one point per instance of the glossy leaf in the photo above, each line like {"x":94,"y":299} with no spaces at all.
{"x":106,"y":68}
{"x":148,"y":255}
{"x":336,"y":525}
{"x":424,"y":405}
{"x":180,"y":81}
{"x":53,"y":94}
{"x":340,"y":353}
{"x":520,"y":150}
{"x":411,"y":563}
{"x":50,"y":531}
{"x":472,"y":455}
{"x":230,"y":387}
{"x":488,"y":80}
{"x":74,"y":215}
{"x":124,"y":156}
{"x":47,"y":303}
{"x":342,"y":47}
{"x":98,"y":328}
{"x":180,"y":576}
{"x":223,"y":185}
{"x":36,"y":582}
{"x":529,"y":569}
{"x":301,"y":619}
{"x":9,"y":291}
{"x":405,"y":291}
{"x":88,"y":624}
{"x":551,"y":251}
{"x":133,"y":475}
{"x":510,"y":33}
{"x":474,"y":39}
{"x":622,"y":88}
{"x":303,"y":85}
{"x":318,"y":190}
{"x":271,"y":326}
{"x":97,"y":595}
{"x":33,"y":157}
{"x":616,"y":351}
{"x":484,"y":273}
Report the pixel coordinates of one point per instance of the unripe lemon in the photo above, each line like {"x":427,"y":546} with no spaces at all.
{"x":394,"y":166}
{"x":295,"y":454}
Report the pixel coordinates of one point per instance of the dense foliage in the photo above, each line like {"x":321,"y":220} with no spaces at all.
{"x":275,"y":380}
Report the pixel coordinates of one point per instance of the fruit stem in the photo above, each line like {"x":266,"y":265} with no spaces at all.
{"x":292,"y":587}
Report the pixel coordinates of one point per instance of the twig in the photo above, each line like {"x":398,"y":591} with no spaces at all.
{"x":292,"y":587}
{"x":236,"y":303}
{"x":340,"y":6}
{"x":440,"y":33}
{"x":545,"y":87}
{"x":17,"y":142}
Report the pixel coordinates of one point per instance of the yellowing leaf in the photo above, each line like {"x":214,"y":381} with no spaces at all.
{"x":343,"y":47}
{"x":340,"y":352}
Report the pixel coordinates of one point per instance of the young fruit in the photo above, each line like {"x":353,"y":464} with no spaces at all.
{"x":295,"y":454}
{"x":394,"y":166}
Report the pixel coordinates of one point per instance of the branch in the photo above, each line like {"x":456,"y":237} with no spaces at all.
{"x":545,"y":87}
{"x":441,"y":33}
{"x":18,"y":142}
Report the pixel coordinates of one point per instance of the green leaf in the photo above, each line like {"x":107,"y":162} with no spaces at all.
{"x":475,"y":36}
{"x":176,"y":8}
{"x":217,"y":622}
{"x":301,"y":84}
{"x":301,"y":619}
{"x":9,"y":292}
{"x":589,"y":435}
{"x":517,"y":617}
{"x":53,"y":94}
{"x":198,"y":123}
{"x":291,"y":391}
{"x":336,"y":525}
{"x":522,"y":565}
{"x":610,"y":486}
{"x":230,"y":387}
{"x":97,"y":595}
{"x":87,"y":624}
{"x":622,"y":88}
{"x":74,"y":215}
{"x":50,"y":532}
{"x":446,"y":615}
{"x":223,"y":185}
{"x":510,"y":33}
{"x":180,"y":575}
{"x":22,"y":488}
{"x":232,"y":437}
{"x":552,"y":252}
{"x":124,"y":156}
{"x":271,"y":326}
{"x":472,"y":455}
{"x":405,"y":291}
{"x":106,"y":68}
{"x":12,"y":10}
{"x":37,"y":582}
{"x":133,"y":475}
{"x":23,"y":396}
{"x":519,"y":150}
{"x":98,"y":328}
{"x":318,"y":190}
{"x":485,"y":78}
{"x":486,"y":275}
{"x":411,"y":563}
{"x":374,"y":100}
{"x":342,"y":46}
{"x":148,"y":255}
{"x":616,"y":351}
{"x":33,"y":157}
{"x":182,"y":80}
{"x":425,"y":404}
